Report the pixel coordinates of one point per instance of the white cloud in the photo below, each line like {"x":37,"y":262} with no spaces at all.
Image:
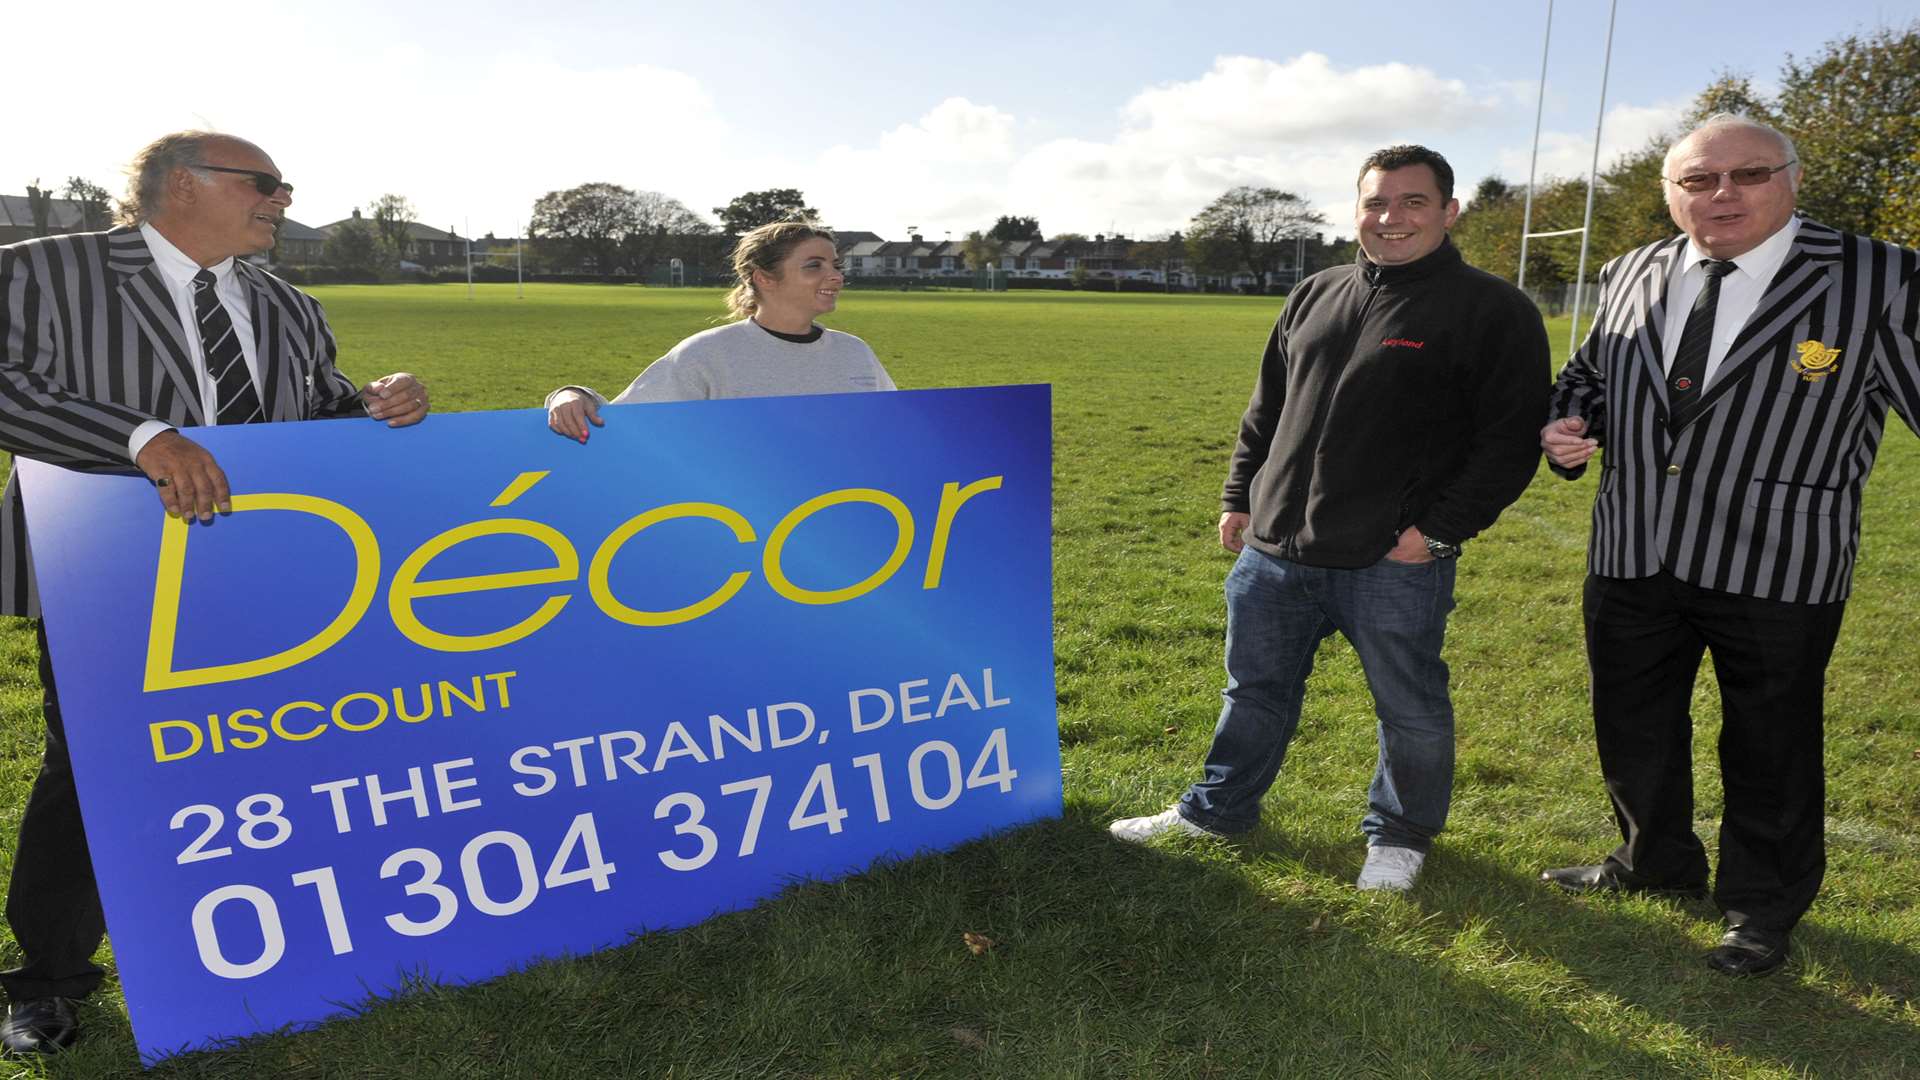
{"x":1627,"y":129}
{"x":1302,"y":125}
{"x":465,"y":138}
{"x":1245,"y":101}
{"x":955,"y":131}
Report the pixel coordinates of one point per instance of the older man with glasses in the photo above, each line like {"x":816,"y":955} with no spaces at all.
{"x":1738,"y":379}
{"x":112,"y":341}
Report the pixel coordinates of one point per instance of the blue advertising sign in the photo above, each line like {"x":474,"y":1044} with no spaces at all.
{"x":448,"y":699}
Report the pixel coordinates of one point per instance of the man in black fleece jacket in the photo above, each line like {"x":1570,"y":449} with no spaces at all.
{"x":1396,"y":415}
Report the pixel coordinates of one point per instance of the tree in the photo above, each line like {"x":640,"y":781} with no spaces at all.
{"x":392,"y":214}
{"x":980,"y":250}
{"x":355,"y":247}
{"x":95,"y":204}
{"x":1166,"y":253}
{"x":40,"y":205}
{"x":1259,"y":223}
{"x":1900,"y":217}
{"x":1011,"y":228}
{"x":1728,"y":93}
{"x":1213,"y":254}
{"x":756,"y":208}
{"x":1493,"y":191}
{"x":1854,"y":111}
{"x":587,"y":223}
{"x":660,"y":230}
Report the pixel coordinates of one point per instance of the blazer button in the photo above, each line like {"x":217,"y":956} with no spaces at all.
{"x":1673,"y":470}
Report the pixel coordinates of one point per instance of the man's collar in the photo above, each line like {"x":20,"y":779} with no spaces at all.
{"x":1439,"y":258}
{"x":1761,"y":261}
{"x":174,"y":262}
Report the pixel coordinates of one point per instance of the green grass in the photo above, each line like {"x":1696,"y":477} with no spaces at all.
{"x":1188,"y":958}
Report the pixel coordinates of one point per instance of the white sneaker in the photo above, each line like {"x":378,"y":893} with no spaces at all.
{"x":1392,"y":868}
{"x":1141,"y":829}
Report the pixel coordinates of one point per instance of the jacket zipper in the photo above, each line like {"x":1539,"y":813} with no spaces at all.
{"x":1298,"y":511}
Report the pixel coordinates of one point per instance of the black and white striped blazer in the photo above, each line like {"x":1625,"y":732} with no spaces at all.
{"x":1759,"y":495}
{"x":94,"y":347}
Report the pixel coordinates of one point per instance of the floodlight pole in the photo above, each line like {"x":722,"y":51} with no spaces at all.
{"x":466,"y":225}
{"x":1593,"y":177}
{"x":1533,"y":165}
{"x":519,"y":275}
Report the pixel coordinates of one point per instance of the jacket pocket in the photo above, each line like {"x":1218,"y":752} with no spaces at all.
{"x":1794,"y":498}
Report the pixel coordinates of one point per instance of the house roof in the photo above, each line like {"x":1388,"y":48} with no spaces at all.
{"x":17,"y":210}
{"x":293,"y":230}
{"x":415,"y":230}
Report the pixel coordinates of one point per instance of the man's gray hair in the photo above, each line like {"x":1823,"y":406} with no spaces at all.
{"x":148,"y":171}
{"x":1722,"y":120}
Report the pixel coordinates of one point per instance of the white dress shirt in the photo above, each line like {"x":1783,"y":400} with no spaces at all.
{"x":178,"y":271}
{"x":1740,"y":293}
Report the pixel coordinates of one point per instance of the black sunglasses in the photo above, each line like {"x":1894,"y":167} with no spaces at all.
{"x":264,"y":183}
{"x":1751,"y":176}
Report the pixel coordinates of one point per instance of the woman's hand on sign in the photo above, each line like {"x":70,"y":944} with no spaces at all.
{"x":571,"y":411}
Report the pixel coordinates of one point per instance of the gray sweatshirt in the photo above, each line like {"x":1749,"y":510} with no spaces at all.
{"x":742,"y":360}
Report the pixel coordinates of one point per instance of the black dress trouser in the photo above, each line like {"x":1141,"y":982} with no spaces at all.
{"x":53,"y":905}
{"x":1645,"y":639}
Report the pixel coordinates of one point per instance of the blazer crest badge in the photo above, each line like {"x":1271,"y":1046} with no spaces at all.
{"x":1816,"y":361}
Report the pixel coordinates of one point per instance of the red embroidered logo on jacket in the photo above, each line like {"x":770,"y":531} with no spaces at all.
{"x":1401,"y":343}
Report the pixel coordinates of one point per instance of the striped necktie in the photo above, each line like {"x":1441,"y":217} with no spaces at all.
{"x":235,"y":399}
{"x":1696,"y":341}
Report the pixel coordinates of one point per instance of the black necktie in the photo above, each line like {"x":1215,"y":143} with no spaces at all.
{"x":235,"y":399}
{"x":1696,"y":341}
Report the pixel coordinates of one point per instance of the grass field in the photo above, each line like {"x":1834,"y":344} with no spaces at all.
{"x":1186,"y":958}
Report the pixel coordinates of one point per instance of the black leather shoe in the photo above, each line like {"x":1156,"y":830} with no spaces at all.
{"x":1749,"y":950}
{"x":1604,"y":878}
{"x":39,"y":1026}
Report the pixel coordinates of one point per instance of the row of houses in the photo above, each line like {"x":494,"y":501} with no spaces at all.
{"x":297,"y":245}
{"x":865,"y":254}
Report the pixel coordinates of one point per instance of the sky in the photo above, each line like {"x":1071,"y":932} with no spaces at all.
{"x":1092,"y":117}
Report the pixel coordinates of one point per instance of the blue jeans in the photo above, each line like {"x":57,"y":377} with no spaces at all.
{"x":1395,"y":615}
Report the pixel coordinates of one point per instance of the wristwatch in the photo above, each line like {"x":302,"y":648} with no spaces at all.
{"x":1440,"y":549}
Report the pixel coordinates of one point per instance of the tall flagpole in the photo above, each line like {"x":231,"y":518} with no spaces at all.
{"x":1593,"y":177}
{"x":1533,"y":165}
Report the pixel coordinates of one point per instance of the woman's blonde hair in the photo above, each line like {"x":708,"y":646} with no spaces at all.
{"x":765,"y":248}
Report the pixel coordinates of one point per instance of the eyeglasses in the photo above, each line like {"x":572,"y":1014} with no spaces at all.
{"x":1710,"y":181}
{"x":264,"y":182}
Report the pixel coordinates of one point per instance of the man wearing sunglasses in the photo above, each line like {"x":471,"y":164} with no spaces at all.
{"x":112,"y":342}
{"x":1738,"y":379}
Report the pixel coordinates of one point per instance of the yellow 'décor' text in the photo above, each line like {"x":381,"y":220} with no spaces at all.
{"x":408,"y":584}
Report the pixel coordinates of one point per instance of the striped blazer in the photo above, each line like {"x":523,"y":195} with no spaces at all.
{"x":94,"y":347}
{"x":1759,"y":495}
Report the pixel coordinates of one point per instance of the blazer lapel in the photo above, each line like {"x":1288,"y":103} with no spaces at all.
{"x":266,"y":344}
{"x":1650,"y":313}
{"x":1804,"y":276}
{"x":143,"y":290}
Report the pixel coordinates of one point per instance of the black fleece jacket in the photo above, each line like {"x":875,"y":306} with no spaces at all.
{"x":1390,"y":396}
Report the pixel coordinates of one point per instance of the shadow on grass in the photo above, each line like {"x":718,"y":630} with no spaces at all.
{"x":1819,"y":1015}
{"x":1105,"y":960}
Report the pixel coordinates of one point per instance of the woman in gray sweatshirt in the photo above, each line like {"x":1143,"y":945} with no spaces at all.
{"x":788,"y":275}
